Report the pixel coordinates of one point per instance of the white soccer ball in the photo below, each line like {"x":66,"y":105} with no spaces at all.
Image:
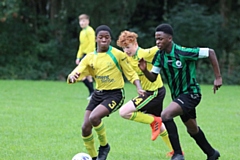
{"x":82,"y":156}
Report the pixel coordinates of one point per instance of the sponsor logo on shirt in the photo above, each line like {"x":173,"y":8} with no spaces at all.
{"x":104,"y":79}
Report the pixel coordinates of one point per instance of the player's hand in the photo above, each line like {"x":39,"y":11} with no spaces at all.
{"x":77,"y":61}
{"x":142,"y":64}
{"x":217,"y":84}
{"x":141,"y":92}
{"x":73,"y":78}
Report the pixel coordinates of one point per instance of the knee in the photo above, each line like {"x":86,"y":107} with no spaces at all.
{"x":124,"y":113}
{"x":166,"y":116}
{"x":94,"y":119}
{"x":121,"y":113}
{"x":86,"y":129}
{"x":192,"y":130}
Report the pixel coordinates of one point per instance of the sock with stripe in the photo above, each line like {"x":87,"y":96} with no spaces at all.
{"x":142,"y":117}
{"x":89,"y":145}
{"x":101,"y":132}
{"x":165,"y":138}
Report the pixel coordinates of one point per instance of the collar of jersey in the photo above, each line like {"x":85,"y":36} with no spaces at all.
{"x":135,"y":56}
{"x":172,"y":51}
{"x":109,"y":49}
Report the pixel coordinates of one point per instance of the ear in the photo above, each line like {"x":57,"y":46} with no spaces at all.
{"x":170,"y":38}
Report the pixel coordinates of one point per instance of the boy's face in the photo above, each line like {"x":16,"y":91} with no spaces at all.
{"x":83,"y":22}
{"x":103,"y":40}
{"x":162,"y":40}
{"x":130,"y":49}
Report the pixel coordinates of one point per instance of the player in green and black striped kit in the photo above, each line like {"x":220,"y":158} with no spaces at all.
{"x":178,"y":66}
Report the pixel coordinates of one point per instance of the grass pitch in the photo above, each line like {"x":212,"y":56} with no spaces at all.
{"x":41,"y":120}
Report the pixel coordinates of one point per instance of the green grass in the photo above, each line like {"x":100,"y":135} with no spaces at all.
{"x":41,"y":120}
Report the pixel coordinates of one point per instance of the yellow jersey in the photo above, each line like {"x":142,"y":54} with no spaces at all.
{"x":87,"y":41}
{"x":147,"y":55}
{"x":107,"y":69}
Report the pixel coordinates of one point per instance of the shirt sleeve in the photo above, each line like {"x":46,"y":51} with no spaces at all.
{"x":149,"y":53}
{"x":79,"y":53}
{"x":203,"y":52}
{"x":82,"y":68}
{"x":128,"y":71}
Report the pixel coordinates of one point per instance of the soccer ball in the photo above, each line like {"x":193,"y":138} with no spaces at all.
{"x":82,"y":156}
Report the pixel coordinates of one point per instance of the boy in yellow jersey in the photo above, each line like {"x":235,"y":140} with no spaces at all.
{"x":86,"y":45}
{"x":143,"y":109}
{"x":106,"y":65}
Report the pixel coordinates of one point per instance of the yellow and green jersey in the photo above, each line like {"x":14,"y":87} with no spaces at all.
{"x":86,"y":41}
{"x":106,"y":68}
{"x":148,"y":56}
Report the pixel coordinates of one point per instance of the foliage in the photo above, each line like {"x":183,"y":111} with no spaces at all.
{"x":39,"y":39}
{"x":195,"y":26}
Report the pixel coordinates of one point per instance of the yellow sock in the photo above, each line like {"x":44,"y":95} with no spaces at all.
{"x":165,"y":138}
{"x":89,"y":144}
{"x":101,"y":132}
{"x":142,"y":117}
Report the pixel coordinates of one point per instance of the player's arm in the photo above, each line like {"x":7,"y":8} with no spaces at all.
{"x":79,"y":72}
{"x":210,"y":53}
{"x":79,"y":55}
{"x":151,"y":76}
{"x":139,"y":87}
{"x":80,"y":52}
{"x":130,"y":74}
{"x":216,"y":69}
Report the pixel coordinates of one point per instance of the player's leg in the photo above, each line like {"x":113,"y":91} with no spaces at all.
{"x":132,"y":110}
{"x":197,"y":134}
{"x":164,"y":135}
{"x":111,"y":101}
{"x":129,"y":111}
{"x":98,"y":113}
{"x":173,"y":110}
{"x":87,"y":136}
{"x":90,"y":85}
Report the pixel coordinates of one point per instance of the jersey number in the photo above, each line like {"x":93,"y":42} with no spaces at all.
{"x":112,"y":105}
{"x":137,"y":101}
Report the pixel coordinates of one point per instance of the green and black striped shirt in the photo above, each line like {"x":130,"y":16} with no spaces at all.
{"x":179,"y":68}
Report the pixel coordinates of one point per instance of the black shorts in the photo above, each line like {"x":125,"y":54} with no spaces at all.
{"x":152,"y":102}
{"x":188,"y":102}
{"x":111,"y":99}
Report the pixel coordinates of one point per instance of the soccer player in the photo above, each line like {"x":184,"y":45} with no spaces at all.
{"x":144,"y":109}
{"x":178,"y":66}
{"x":86,"y":45}
{"x":106,"y":65}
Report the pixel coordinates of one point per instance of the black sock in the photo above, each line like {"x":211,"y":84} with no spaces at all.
{"x":91,"y":88}
{"x":94,"y":158}
{"x":89,"y":85}
{"x":173,"y":135}
{"x":203,"y":143}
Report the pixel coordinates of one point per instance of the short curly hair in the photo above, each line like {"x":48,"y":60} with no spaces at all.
{"x":126,"y":37}
{"x":166,"y":28}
